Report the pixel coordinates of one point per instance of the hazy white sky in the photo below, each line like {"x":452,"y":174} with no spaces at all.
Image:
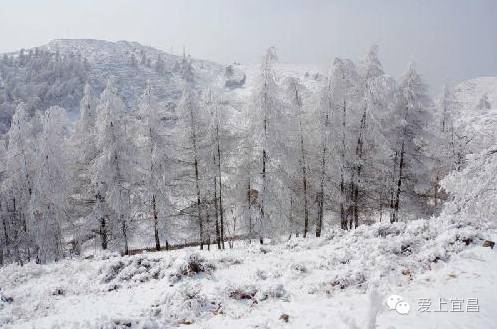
{"x":450,"y":40}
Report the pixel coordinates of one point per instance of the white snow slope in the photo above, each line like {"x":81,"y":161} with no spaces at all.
{"x":339,"y":281}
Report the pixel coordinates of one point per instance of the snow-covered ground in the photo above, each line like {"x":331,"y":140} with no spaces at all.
{"x":338,"y":281}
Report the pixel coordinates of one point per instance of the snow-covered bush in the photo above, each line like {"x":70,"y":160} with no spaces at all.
{"x":189,"y":266}
{"x":473,"y":190}
{"x":131,"y":270}
{"x":299,"y":268}
{"x":276,"y":291}
{"x":230,"y":260}
{"x":243,"y":292}
{"x":185,"y":304}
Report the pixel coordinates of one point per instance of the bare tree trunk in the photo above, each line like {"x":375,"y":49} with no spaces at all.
{"x":156,"y":223}
{"x":125,"y":235}
{"x":199,"y":215}
{"x":392,"y":191}
{"x":249,"y":207}
{"x":435,"y":189}
{"x":5,"y":230}
{"x":221,"y":209}
{"x":103,"y":233}
{"x":298,"y":102}
{"x":343,"y":208}
{"x":358,"y":169}
{"x":319,"y":224}
{"x":320,"y":200}
{"x":304,"y":185}
{"x":218,"y":232}
{"x":197,"y":179}
{"x":208,"y":224}
{"x":381,"y":209}
{"x":399,"y":184}
{"x":264,"y":159}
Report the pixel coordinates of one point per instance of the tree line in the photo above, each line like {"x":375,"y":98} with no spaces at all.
{"x":290,"y":160}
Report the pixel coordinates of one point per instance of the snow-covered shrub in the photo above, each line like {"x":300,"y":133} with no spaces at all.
{"x":385,"y":229}
{"x":58,"y":291}
{"x":230,"y":260}
{"x":189,"y":266}
{"x":255,"y":293}
{"x":346,"y":279}
{"x":185,"y":304}
{"x":276,"y":291}
{"x":299,"y":268}
{"x":264,"y":249}
{"x":293,"y":244}
{"x":473,"y":189}
{"x":261,"y":274}
{"x":133,"y":269}
{"x":120,"y":323}
{"x":244,"y":292}
{"x":5,"y":300}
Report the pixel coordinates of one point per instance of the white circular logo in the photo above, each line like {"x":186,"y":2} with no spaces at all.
{"x":398,"y":303}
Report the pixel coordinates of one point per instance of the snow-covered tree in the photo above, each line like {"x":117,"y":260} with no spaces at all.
{"x":483,"y":103}
{"x":113,"y":171}
{"x":412,"y":169}
{"x":83,"y":149}
{"x":17,"y":187}
{"x":300,"y":126}
{"x":190,"y":130}
{"x":157,"y":162}
{"x":51,"y":186}
{"x":344,"y":97}
{"x":270,"y":124}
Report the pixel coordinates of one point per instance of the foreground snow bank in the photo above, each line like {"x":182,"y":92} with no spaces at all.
{"x":251,"y":286}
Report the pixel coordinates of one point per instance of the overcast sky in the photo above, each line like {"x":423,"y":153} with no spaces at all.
{"x":450,"y":40}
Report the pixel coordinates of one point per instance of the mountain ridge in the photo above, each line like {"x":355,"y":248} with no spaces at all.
{"x":55,"y":74}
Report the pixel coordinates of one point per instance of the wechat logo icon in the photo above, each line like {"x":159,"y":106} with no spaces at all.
{"x":398,"y":303}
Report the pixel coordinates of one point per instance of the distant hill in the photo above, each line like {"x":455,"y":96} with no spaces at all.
{"x":54,"y":74}
{"x":475,"y":121}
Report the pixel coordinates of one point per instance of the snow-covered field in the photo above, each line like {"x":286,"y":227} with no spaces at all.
{"x":339,"y":281}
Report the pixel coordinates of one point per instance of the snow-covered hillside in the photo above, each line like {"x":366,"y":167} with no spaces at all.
{"x":55,"y":74}
{"x":469,"y":93}
{"x":476,"y":122}
{"x":340,"y":280}
{"x":132,"y":65}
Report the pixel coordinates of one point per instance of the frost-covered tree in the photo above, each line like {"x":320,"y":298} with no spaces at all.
{"x":157,"y":161}
{"x":83,"y":147}
{"x":113,"y":171}
{"x":344,"y":98}
{"x":17,"y":186}
{"x":41,"y":79}
{"x":483,"y":103}
{"x":51,"y":186}
{"x":300,"y":126}
{"x":4,"y":233}
{"x":472,"y":190}
{"x":370,"y":145}
{"x":411,"y":167}
{"x":190,"y":129}
{"x":270,"y":137}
